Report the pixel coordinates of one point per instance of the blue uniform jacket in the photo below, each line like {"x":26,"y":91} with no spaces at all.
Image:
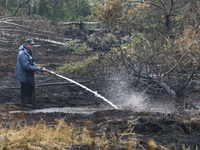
{"x":25,"y":68}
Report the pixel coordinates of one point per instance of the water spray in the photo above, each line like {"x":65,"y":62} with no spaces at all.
{"x":70,"y":80}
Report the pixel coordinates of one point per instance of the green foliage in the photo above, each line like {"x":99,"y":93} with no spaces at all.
{"x":101,"y":63}
{"x":149,"y":22}
{"x":78,"y":48}
{"x":98,"y":64}
{"x":59,"y":10}
{"x":65,"y":10}
{"x":10,"y":3}
{"x":109,"y":41}
{"x":80,"y":68}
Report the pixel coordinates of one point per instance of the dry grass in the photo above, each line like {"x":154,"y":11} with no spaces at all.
{"x":41,"y":136}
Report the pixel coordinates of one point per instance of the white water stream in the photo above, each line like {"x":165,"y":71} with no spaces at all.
{"x":95,"y":93}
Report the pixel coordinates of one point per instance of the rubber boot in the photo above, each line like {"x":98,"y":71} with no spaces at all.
{"x":30,"y":102}
{"x":33,"y":102}
{"x":23,"y":103}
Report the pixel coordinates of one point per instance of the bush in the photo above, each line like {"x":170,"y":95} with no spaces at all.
{"x":78,"y":48}
{"x":80,"y":68}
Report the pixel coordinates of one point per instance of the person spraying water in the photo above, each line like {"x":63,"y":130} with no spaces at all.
{"x":72,"y":81}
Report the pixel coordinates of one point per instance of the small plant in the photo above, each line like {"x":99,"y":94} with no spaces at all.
{"x":78,"y":48}
{"x":82,"y":67}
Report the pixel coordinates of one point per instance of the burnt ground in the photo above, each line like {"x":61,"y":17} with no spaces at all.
{"x":173,"y":130}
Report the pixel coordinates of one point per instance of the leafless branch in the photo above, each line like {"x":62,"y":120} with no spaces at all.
{"x":172,"y":68}
{"x":151,"y":3}
{"x":186,"y":83}
{"x":26,"y":2}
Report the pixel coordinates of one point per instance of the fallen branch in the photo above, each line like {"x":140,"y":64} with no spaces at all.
{"x":78,"y":23}
{"x":50,"y":41}
{"x":11,"y":23}
{"x":166,"y":87}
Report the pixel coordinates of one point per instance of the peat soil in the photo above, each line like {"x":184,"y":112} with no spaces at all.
{"x":175,"y":130}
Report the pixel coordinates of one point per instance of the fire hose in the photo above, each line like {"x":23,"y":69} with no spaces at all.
{"x":72,"y":81}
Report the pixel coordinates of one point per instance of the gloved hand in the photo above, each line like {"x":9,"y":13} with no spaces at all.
{"x":41,"y":69}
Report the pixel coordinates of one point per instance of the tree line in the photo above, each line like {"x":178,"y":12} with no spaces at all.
{"x":57,"y":10}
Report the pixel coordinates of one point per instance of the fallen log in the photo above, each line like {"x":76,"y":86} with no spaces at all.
{"x":78,"y":23}
{"x":166,"y":87}
{"x":51,"y":41}
{"x":23,"y":26}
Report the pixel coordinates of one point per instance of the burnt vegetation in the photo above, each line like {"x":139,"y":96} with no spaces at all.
{"x":115,"y":47}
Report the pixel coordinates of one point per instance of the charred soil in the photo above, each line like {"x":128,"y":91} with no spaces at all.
{"x":169,"y":130}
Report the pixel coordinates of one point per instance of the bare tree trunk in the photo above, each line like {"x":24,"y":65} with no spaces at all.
{"x":37,"y":6}
{"x":18,"y":2}
{"x":31,"y":6}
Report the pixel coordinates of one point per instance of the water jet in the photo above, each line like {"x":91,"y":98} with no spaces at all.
{"x":72,"y":81}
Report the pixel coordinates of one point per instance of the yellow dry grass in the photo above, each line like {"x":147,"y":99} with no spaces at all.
{"x":41,"y":136}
